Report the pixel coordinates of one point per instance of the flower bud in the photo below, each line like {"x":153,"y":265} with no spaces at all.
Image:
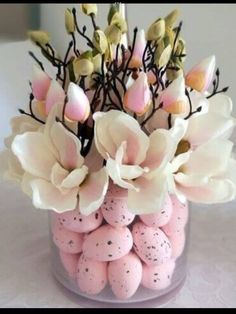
{"x":138,"y":97}
{"x":112,"y":11}
{"x":165,"y":57}
{"x":78,"y":107}
{"x":156,"y":31}
{"x":83,"y":65}
{"x":171,"y":18}
{"x":201,"y":75}
{"x":89,"y":8}
{"x":54,"y":96}
{"x":113,"y":34}
{"x":139,"y":47}
{"x":40,"y":37}
{"x":120,"y":22}
{"x":40,"y":83}
{"x":100,"y":41}
{"x":69,"y":21}
{"x":173,"y":74}
{"x":173,"y":97}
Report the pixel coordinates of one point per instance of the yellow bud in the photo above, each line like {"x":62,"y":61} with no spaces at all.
{"x":97,"y":63}
{"x":113,"y":34}
{"x":100,"y":41}
{"x":171,"y":18}
{"x":156,"y":31}
{"x":89,"y":8}
{"x":40,"y":37}
{"x":165,"y":57}
{"x":120,"y":22}
{"x":109,"y":53}
{"x":173,"y":74}
{"x":112,"y":11}
{"x":169,"y":37}
{"x":83,"y":66}
{"x":69,"y":21}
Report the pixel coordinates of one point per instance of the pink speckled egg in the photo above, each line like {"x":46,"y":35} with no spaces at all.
{"x":151,"y":245}
{"x":125,"y":275}
{"x":66,"y":240}
{"x":91,"y":275}
{"x":108,"y":243}
{"x":177,"y":241}
{"x":75,"y":221}
{"x":70,"y":262}
{"x":160,"y":219}
{"x":178,"y":218}
{"x":158,"y":277}
{"x":114,"y":207}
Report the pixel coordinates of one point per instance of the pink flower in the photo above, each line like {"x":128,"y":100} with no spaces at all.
{"x":40,"y":83}
{"x":136,"y":61}
{"x":77,"y":107}
{"x":54,"y":96}
{"x":200,"y":76}
{"x":173,"y":97}
{"x":138,"y":97}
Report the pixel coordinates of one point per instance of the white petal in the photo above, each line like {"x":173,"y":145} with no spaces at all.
{"x":34,"y":154}
{"x":151,"y":195}
{"x":47,"y":196}
{"x":55,"y":95}
{"x":26,"y":183}
{"x":75,"y":178}
{"x":207,"y":127}
{"x":93,"y":191}
{"x":214,"y":191}
{"x":178,"y":129}
{"x":180,"y":160}
{"x":221,"y":104}
{"x":68,"y":146}
{"x":58,"y":174}
{"x":209,"y":159}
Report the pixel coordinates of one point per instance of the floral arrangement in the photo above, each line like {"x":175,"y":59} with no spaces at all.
{"x":125,"y":114}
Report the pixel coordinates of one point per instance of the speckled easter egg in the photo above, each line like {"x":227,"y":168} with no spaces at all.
{"x":114,"y":207}
{"x":125,"y":275}
{"x":160,"y":219}
{"x":151,"y":245}
{"x":178,"y":218}
{"x":91,"y":275}
{"x":75,"y":221}
{"x":158,"y":277}
{"x":177,"y":241}
{"x":70,"y":262}
{"x":66,"y":240}
{"x":108,"y":243}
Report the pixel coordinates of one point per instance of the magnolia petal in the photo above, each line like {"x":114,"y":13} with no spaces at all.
{"x":26,"y":184}
{"x":190,"y":180}
{"x":158,"y":121}
{"x":58,"y":174}
{"x":68,"y":146}
{"x":40,"y":83}
{"x":114,"y":169}
{"x":47,"y":196}
{"x":55,"y":95}
{"x":32,"y":151}
{"x":207,"y":127}
{"x":179,"y":161}
{"x":150,"y":197}
{"x":93,"y":191}
{"x":209,"y":159}
{"x":75,"y":178}
{"x":139,"y":47}
{"x":221,"y":104}
{"x":214,"y":191}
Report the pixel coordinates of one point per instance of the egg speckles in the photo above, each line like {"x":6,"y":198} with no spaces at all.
{"x":125,"y":275}
{"x":151,"y":245}
{"x":160,"y":219}
{"x":158,"y":277}
{"x":66,"y":240}
{"x":75,"y":221}
{"x":108,"y":243}
{"x":91,"y":275}
{"x":178,"y":218}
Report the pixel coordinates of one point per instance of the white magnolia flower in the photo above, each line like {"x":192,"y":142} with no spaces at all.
{"x":135,"y":161}
{"x":55,"y":171}
{"x":203,"y":167}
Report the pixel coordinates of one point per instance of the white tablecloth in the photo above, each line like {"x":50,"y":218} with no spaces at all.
{"x":25,"y":275}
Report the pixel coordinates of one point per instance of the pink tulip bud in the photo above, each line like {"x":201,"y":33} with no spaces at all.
{"x":201,"y":75}
{"x":140,"y":44}
{"x":138,"y":97}
{"x":77,"y":107}
{"x":40,"y":83}
{"x":173,"y":97}
{"x":55,"y":95}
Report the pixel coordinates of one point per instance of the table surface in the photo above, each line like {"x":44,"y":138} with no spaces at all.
{"x":25,"y":275}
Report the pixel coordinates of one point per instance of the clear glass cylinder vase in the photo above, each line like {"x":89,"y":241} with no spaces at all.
{"x":113,"y":258}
